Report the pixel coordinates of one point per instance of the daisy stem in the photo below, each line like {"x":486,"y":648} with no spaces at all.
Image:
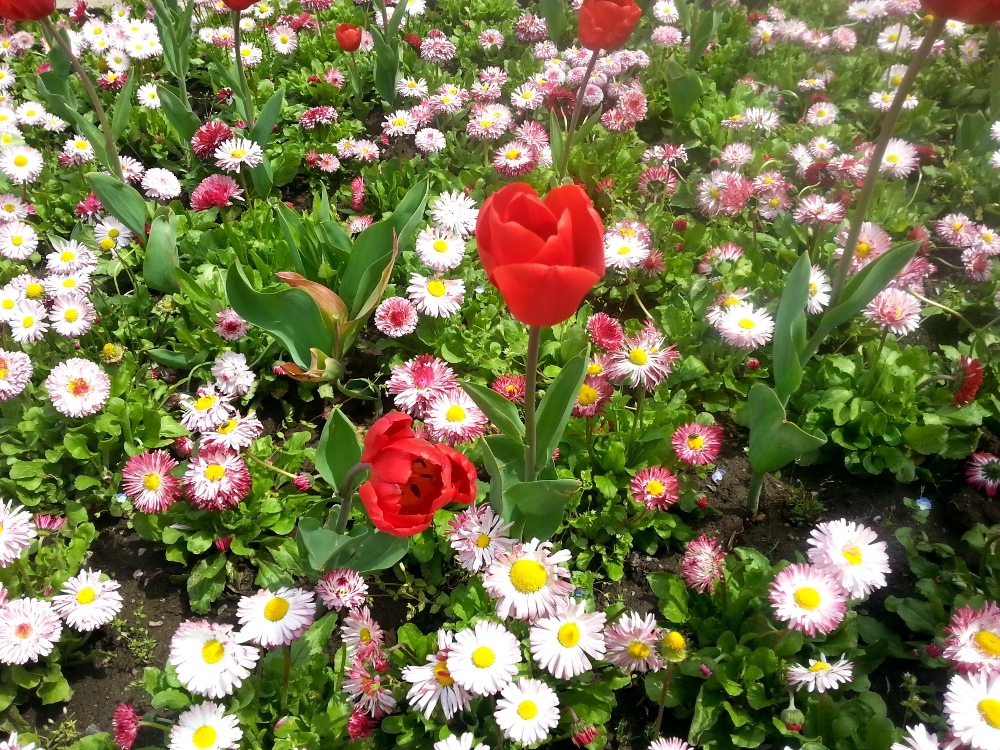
{"x":530,"y":396}
{"x":154,"y":725}
{"x":114,"y":163}
{"x":590,"y":442}
{"x":500,"y":742}
{"x":948,"y":310}
{"x":876,"y":361}
{"x":635,"y":293}
{"x":25,"y":577}
{"x":663,"y":700}
{"x":640,"y":400}
{"x":287,"y":653}
{"x":871,"y":178}
{"x":581,"y":92}
{"x":342,"y":659}
{"x":266,"y":465}
{"x":248,"y":109}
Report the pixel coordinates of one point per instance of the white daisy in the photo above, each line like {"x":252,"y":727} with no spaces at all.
{"x":18,"y":240}
{"x":439,"y":249}
{"x":851,"y":554}
{"x":439,"y":298}
{"x":205,"y":727}
{"x":28,"y":322}
{"x":431,"y":684}
{"x":562,"y":643}
{"x":456,"y":212}
{"x":527,"y":711}
{"x":972,"y":705}
{"x":209,"y":658}
{"x":821,"y":675}
{"x":16,"y":532}
{"x":484,"y":659}
{"x":529,"y":581}
{"x":276,"y":619}
{"x":87,"y":602}
{"x":233,"y":153}
{"x":147,"y":95}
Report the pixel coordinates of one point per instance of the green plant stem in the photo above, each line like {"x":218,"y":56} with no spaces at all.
{"x":635,"y":293}
{"x":589,"y":426}
{"x":575,"y":119}
{"x":115,"y":163}
{"x":266,"y":465}
{"x":753,"y":493}
{"x":342,"y":657}
{"x":357,"y":76}
{"x":881,"y":145}
{"x":287,"y":675}
{"x":500,"y":743}
{"x":947,"y":309}
{"x":663,"y":700}
{"x":248,"y":107}
{"x":530,"y":396}
{"x":154,"y":725}
{"x":876,"y":361}
{"x":346,"y":492}
{"x":640,"y":401}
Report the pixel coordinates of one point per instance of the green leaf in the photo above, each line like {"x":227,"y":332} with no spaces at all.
{"x":919,"y":616}
{"x":928,"y":439}
{"x":76,"y":446}
{"x":339,"y":448}
{"x":701,"y":37}
{"x":206,"y":582}
{"x":557,"y":405}
{"x":55,"y":691}
{"x":123,"y":107}
{"x":61,"y":64}
{"x":291,"y":315}
{"x":122,"y":201}
{"x":178,"y":111}
{"x":262,"y":177}
{"x":774,"y":442}
{"x":269,"y":114}
{"x":542,"y":497}
{"x":684,"y":88}
{"x":673,"y":595}
{"x":379,"y":552}
{"x":159,"y":268}
{"x":501,"y":412}
{"x":554,"y":13}
{"x":365,"y":552}
{"x":171,"y":699}
{"x":790,"y":329}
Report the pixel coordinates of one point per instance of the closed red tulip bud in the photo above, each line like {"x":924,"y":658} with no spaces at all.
{"x":966,"y":11}
{"x":348,"y":37}
{"x":27,"y":10}
{"x":607,"y":24}
{"x":238,"y":4}
{"x":411,"y":478}
{"x":543,"y":255}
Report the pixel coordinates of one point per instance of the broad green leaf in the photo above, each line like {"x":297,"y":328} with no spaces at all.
{"x":159,"y":268}
{"x":178,"y":111}
{"x":122,"y":201}
{"x":263,"y":178}
{"x":339,"y":448}
{"x":206,"y":582}
{"x":928,"y":439}
{"x":556,"y":406}
{"x":55,"y":691}
{"x":395,"y":20}
{"x":501,"y":412}
{"x":542,"y":497}
{"x":504,"y":460}
{"x":774,"y":442}
{"x":123,"y":107}
{"x":331,"y":307}
{"x":701,"y":36}
{"x":379,"y":552}
{"x":790,"y":329}
{"x":171,"y":699}
{"x":269,"y":115}
{"x":684,"y":88}
{"x":61,"y":64}
{"x":290,"y":315}
{"x":554,"y":13}
{"x":294,"y":230}
{"x":673,"y":595}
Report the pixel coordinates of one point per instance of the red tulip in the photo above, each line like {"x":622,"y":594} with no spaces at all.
{"x":411,"y":478}
{"x":607,"y":24}
{"x":966,"y":11}
{"x":27,"y":10}
{"x":543,"y":256}
{"x":348,"y":37}
{"x":238,"y":4}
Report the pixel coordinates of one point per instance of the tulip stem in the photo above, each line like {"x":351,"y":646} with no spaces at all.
{"x":530,"y":395}
{"x":114,"y":162}
{"x":248,"y":109}
{"x":581,"y":92}
{"x":346,"y":492}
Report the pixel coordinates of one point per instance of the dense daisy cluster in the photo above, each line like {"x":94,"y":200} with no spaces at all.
{"x":216,"y":476}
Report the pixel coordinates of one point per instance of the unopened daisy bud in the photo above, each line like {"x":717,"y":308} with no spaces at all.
{"x":933,"y":650}
{"x":302,"y":483}
{"x":278,"y":370}
{"x":793,"y":719}
{"x":702,"y":502}
{"x":705,"y":670}
{"x":223,"y":545}
{"x":76,"y":345}
{"x":280,"y":722}
{"x":753,"y":363}
{"x":125,"y":725}
{"x":680,"y":225}
{"x":183,"y":447}
{"x":584,"y":733}
{"x":674,"y":647}
{"x":360,"y":725}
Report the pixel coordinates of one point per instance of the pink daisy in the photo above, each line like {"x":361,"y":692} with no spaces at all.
{"x":342,"y":588}
{"x":396,"y":317}
{"x":973,"y":642}
{"x":895,"y":311}
{"x":697,"y":444}
{"x":217,"y":479}
{"x":605,"y":332}
{"x":147,"y":480}
{"x":230,"y":325}
{"x":983,"y":472}
{"x":417,"y":381}
{"x":29,"y":630}
{"x":808,"y":599}
{"x":655,"y":487}
{"x":511,"y":387}
{"x":593,"y":396}
{"x":632,"y":643}
{"x":703,"y":563}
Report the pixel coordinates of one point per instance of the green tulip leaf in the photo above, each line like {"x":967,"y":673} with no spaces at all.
{"x":339,"y":448}
{"x":557,"y":405}
{"x":774,"y":442}
{"x":790,"y":329}
{"x":501,"y":412}
{"x":122,"y":201}
{"x":159,"y":267}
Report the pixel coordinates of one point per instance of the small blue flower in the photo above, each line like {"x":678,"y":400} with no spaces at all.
{"x":121,"y":497}
{"x":718,"y":474}
{"x":480,"y":289}
{"x":579,"y":593}
{"x":924,"y":503}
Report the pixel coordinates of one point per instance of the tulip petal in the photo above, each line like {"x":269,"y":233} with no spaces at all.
{"x":587,"y":228}
{"x":544,"y":295}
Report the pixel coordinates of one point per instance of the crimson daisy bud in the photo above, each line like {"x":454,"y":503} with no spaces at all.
{"x":584,"y":733}
{"x":183,"y":447}
{"x":680,"y":225}
{"x":702,"y":502}
{"x":302,"y":483}
{"x":224,"y":543}
{"x":933,"y":650}
{"x":753,"y":363}
{"x":793,"y":719}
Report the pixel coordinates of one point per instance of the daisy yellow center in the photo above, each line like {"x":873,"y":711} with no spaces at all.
{"x":85,"y":596}
{"x":108,"y":350}
{"x":638,"y":650}
{"x":238,"y":153}
{"x":655,"y":487}
{"x":486,"y":123}
{"x":69,"y":283}
{"x":436,"y":288}
{"x":107,"y":243}
{"x":624,"y":250}
{"x":17,"y":240}
{"x":821,"y":113}
{"x":588,"y":395}
{"x":892,"y":158}
{"x":510,"y":389}
{"x":212,"y":652}
{"x":886,"y":97}
{"x":20,"y":160}
{"x":730,"y":301}
{"x":284,"y":40}
{"x":113,"y":233}
{"x":440,"y":246}
{"x":528,"y":576}
{"x":204,"y":402}
{"x":78,"y":386}
{"x":82,"y":145}
{"x":896,"y":80}
{"x":513,"y":153}
{"x":863,"y":249}
{"x":638,"y":356}
{"x":28,"y":321}
{"x":399,"y":122}
{"x":275,"y":609}
{"x":987,"y":237}
{"x":747,"y":324}
{"x":455,"y":413}
{"x":820,"y":666}
{"x":9,"y":207}
{"x":214,"y":472}
{"x":364,"y":635}
{"x":594,"y":369}
{"x":66,"y":256}
{"x":7,"y":304}
{"x":715,"y":192}
{"x":442,"y":674}
{"x":674,"y":641}
{"x":807,"y":597}
{"x":151,"y":482}
{"x":246,"y":52}
{"x":987,"y":642}
{"x":813,"y":289}
{"x":228,"y":426}
{"x":989,"y":709}
{"x":23,"y":630}
{"x":483,"y":541}
{"x":527,"y":710}
{"x":775,"y":202}
{"x":852,"y":555}
{"x":4,"y":372}
{"x":204,"y":736}
{"x":695,"y":442}
{"x":483,"y":657}
{"x":957,"y":226}
{"x":568,"y":635}
{"x":736,"y":118}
